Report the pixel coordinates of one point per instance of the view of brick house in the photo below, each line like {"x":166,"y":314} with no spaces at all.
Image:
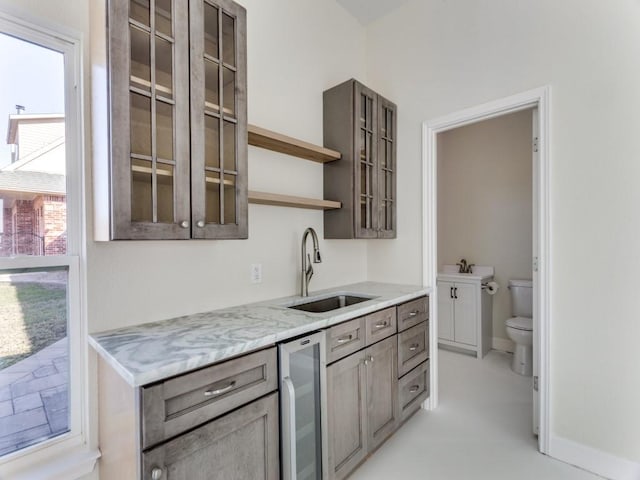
{"x":33,"y":187}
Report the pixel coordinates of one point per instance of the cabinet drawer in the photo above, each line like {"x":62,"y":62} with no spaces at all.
{"x":413,"y":390}
{"x":380,"y":325}
{"x":413,"y":347}
{"x":181,"y":403}
{"x":412,"y":313}
{"x":344,"y":339}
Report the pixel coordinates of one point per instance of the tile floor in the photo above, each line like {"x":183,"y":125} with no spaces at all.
{"x":33,"y":398}
{"x":480,"y":430}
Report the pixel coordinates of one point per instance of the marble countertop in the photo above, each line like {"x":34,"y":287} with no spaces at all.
{"x":154,"y":351}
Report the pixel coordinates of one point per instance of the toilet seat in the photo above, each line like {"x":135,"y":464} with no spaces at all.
{"x":520,"y":323}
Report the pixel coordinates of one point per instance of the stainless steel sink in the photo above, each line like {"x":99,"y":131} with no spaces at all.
{"x":330,"y":303}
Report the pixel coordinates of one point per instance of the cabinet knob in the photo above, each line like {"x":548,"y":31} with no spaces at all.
{"x":156,"y":473}
{"x":370,"y":359}
{"x":413,"y":347}
{"x":414,"y":313}
{"x":184,"y":224}
{"x":414,"y":388}
{"x":200,"y":224}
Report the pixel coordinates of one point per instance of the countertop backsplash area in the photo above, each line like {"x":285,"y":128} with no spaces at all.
{"x":153,"y":351}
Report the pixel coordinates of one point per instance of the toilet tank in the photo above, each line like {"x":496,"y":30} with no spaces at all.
{"x":521,"y":298}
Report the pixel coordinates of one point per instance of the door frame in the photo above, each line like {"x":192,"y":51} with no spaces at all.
{"x":537,"y":98}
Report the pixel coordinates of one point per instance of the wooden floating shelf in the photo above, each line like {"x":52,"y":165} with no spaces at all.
{"x":261,"y":137}
{"x":264,"y":198}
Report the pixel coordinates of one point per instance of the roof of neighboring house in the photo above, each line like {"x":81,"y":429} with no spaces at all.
{"x":33,"y":182}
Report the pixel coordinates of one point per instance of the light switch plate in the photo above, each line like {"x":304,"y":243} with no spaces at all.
{"x":256,"y":273}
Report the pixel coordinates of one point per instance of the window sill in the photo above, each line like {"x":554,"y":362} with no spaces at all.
{"x":70,"y":464}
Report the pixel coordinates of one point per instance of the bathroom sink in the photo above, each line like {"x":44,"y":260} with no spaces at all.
{"x":330,"y":303}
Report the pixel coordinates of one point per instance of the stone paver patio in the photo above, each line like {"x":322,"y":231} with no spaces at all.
{"x":34,"y":401}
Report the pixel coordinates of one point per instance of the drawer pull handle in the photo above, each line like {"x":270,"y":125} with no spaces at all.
{"x":414,"y":347}
{"x":211,"y":393}
{"x":414,"y":388}
{"x":381,"y":324}
{"x":345,"y":339}
{"x":414,"y":313}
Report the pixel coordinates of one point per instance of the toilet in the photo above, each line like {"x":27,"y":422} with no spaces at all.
{"x":520,"y":326}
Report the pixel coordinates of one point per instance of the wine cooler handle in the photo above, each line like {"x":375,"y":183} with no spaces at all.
{"x":289,"y":455}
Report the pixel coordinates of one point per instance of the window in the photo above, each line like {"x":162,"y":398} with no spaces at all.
{"x":42,"y":351}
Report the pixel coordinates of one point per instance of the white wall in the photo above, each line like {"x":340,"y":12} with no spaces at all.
{"x":485,"y":202}
{"x":434,"y":57}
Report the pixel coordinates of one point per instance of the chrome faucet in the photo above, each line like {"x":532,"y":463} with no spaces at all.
{"x":307,"y":269}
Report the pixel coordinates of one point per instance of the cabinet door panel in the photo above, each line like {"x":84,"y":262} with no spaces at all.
{"x":347,"y":410}
{"x":386,"y":168}
{"x":382,"y":390}
{"x":445,"y":310}
{"x":365,"y":153}
{"x":466,"y":324}
{"x":218,"y":119}
{"x":149,"y":96}
{"x":241,"y":445}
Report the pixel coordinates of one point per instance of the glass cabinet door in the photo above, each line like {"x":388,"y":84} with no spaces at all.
{"x":218,"y":119}
{"x":366,"y":177}
{"x":386,"y":168}
{"x":150,"y":150}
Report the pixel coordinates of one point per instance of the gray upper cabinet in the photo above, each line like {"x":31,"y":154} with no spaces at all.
{"x":361,"y":125}
{"x":171,"y":158}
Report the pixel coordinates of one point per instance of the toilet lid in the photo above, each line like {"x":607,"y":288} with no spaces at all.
{"x":520,"y":323}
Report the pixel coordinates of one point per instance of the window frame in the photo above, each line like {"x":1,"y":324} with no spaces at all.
{"x":71,"y":454}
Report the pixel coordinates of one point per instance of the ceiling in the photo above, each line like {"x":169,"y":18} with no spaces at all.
{"x":367,"y":11}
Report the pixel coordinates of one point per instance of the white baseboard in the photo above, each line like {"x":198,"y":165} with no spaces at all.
{"x":502,"y":344}
{"x":596,"y":461}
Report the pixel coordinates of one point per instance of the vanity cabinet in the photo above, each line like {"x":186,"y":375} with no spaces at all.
{"x":169,"y":119}
{"x":361,"y":125}
{"x":465,"y":314}
{"x":219,"y":423}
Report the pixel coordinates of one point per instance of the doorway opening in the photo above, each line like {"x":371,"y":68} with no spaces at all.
{"x":530,"y":106}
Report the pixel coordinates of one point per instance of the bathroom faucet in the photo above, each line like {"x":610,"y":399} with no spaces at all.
{"x":462,"y":265}
{"x":464,"y":268}
{"x":307,"y":269}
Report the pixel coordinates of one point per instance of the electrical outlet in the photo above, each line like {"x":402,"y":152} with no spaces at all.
{"x":256,"y":273}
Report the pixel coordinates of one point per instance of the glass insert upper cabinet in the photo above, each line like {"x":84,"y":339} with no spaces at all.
{"x":170,"y":84}
{"x":361,"y":125}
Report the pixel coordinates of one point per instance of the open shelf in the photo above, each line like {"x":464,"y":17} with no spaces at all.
{"x":264,"y":198}
{"x":261,"y":137}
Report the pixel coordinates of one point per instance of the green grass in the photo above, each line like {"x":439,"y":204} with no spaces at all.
{"x":32,"y":317}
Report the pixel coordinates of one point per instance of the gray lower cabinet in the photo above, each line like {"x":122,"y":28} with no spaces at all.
{"x":347,"y":410}
{"x":241,"y":445}
{"x":382,"y":390}
{"x":362,"y":398}
{"x":216,"y":423}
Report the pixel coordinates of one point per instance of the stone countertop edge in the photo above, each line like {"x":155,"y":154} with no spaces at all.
{"x":151,"y":352}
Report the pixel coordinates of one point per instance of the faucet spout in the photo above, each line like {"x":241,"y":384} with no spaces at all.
{"x":307,"y":268}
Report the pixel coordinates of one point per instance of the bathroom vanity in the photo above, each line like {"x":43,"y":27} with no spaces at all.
{"x":201,"y":392}
{"x":465,"y":309}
